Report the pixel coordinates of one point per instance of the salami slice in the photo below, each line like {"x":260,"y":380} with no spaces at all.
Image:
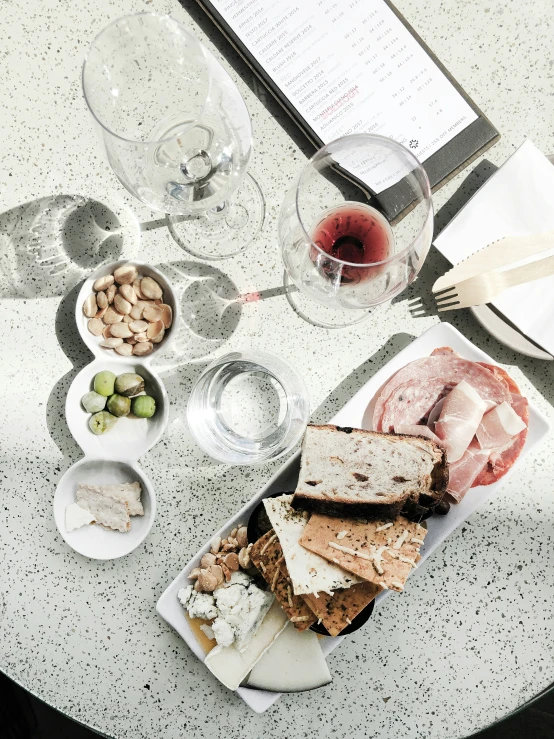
{"x":411,"y":394}
{"x":503,"y":376}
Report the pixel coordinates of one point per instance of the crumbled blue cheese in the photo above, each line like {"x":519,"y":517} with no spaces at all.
{"x":243,"y":606}
{"x":198,"y":605}
{"x":238,"y":608}
{"x":223,"y":632}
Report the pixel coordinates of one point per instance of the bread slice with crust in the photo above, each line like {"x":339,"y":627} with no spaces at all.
{"x":366,"y":474}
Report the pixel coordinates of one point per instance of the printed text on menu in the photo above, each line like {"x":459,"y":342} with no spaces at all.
{"x":350,"y":66}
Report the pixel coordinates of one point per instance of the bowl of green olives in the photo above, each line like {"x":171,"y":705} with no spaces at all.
{"x":117,"y":410}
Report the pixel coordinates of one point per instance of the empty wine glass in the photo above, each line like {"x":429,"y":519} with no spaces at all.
{"x":176,"y":131}
{"x":339,"y":247}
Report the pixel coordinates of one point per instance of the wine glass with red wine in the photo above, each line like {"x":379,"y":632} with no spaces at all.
{"x":344,"y":243}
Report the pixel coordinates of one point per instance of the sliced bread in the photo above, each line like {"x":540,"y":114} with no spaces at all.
{"x":366,"y":474}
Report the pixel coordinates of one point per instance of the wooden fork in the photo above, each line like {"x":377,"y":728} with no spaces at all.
{"x":486,"y":287}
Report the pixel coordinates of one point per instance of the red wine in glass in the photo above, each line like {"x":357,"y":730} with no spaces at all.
{"x":354,"y":233}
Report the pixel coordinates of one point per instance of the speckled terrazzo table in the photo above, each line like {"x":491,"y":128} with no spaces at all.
{"x":473,"y":636}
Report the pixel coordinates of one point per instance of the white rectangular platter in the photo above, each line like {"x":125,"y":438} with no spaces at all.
{"x":357,"y":413}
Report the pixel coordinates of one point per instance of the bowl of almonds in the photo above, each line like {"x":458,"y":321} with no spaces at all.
{"x":126,"y":309}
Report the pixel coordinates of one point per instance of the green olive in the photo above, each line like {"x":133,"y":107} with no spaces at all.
{"x":101,"y":422}
{"x":129,"y":384}
{"x":93,"y":402}
{"x":104,"y":383}
{"x":119,"y":406}
{"x":144,"y":406}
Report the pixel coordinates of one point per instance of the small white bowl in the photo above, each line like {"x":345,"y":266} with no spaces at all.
{"x":131,"y":437}
{"x":93,"y":342}
{"x":95,"y":541}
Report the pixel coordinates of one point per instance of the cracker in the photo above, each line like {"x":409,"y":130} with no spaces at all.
{"x":267,"y":556}
{"x":111,"y":513}
{"x":380,"y":552}
{"x":125,"y":492}
{"x":336,"y":612}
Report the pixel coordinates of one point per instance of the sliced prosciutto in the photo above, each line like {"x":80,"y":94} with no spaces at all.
{"x":499,"y":427}
{"x":412,"y":393}
{"x":405,"y":429}
{"x":501,"y":459}
{"x":461,"y":414}
{"x":466,"y":470}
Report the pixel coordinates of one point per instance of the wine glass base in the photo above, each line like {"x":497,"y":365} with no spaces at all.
{"x":224,"y":233}
{"x":323,"y":316}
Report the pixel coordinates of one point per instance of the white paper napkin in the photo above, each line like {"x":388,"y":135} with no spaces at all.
{"x":517,"y":199}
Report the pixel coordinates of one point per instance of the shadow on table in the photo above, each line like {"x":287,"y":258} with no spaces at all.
{"x":79,"y":356}
{"x":358,"y":378}
{"x":211,"y":310}
{"x":48,"y":245}
{"x":418,"y":296}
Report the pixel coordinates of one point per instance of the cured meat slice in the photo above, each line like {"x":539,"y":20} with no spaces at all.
{"x":435,"y":413}
{"x":411,"y":394}
{"x":414,"y":430}
{"x":466,"y":470}
{"x":499,"y":427}
{"x":461,"y":414}
{"x":502,"y":376}
{"x":500,"y":460}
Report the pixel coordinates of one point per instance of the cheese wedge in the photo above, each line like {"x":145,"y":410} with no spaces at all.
{"x":294,"y":663}
{"x":308,"y":572}
{"x":231,"y":666}
{"x":75,"y":517}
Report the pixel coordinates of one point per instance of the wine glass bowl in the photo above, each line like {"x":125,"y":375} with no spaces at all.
{"x":338,"y":245}
{"x":175,"y":128}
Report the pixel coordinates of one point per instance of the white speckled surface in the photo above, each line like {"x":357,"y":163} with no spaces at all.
{"x":472,"y":637}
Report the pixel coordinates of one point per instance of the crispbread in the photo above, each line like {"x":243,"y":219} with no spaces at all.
{"x":336,"y":612}
{"x":353,"y":472}
{"x":267,"y":556}
{"x":111,"y":513}
{"x":380,"y":552}
{"x":128,"y":492}
{"x":309,"y":572}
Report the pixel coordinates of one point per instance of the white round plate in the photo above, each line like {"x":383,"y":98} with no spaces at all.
{"x":506,"y":334}
{"x":131,"y":437}
{"x":510,"y":337}
{"x":93,"y":540}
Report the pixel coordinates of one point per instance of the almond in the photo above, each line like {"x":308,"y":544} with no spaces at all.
{"x":102,"y":300}
{"x":154,"y":329}
{"x":103,"y":282}
{"x":129,"y":294}
{"x":121,"y":330}
{"x":121,"y":305}
{"x":137,"y":327}
{"x":112,"y":316}
{"x":95,"y":326}
{"x":90,"y":306}
{"x":152,"y":313}
{"x":150,"y":288}
{"x":110,"y":293}
{"x":143,"y":348}
{"x":125,"y":275}
{"x":124,"y":349}
{"x":167,"y":314}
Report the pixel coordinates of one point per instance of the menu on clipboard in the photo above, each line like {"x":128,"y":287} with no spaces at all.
{"x":355,"y":66}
